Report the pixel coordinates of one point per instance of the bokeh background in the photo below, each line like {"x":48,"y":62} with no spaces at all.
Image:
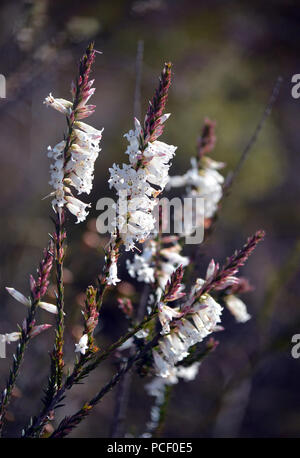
{"x":227,"y":56}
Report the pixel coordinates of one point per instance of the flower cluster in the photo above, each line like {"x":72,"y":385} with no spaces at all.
{"x":164,"y":341}
{"x":138,"y":184}
{"x":201,"y":321}
{"x":202,"y":180}
{"x":74,"y":157}
{"x":141,"y":267}
{"x":201,"y":313}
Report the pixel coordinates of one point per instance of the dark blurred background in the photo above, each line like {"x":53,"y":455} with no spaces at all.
{"x":227,"y":56}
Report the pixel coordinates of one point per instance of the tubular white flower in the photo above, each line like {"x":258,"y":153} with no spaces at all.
{"x":113,"y":272}
{"x":90,"y":130}
{"x":77,"y":208}
{"x":82,"y":345}
{"x":166,"y":314}
{"x":237,"y":307}
{"x":51,"y":308}
{"x":173,"y":348}
{"x":162,"y":367}
{"x":201,"y":321}
{"x":62,"y":105}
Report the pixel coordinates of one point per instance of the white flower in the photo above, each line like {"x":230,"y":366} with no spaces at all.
{"x":166,"y":314}
{"x":188,"y":373}
{"x":113,"y":272}
{"x":160,"y":364}
{"x":143,"y":266}
{"x":158,"y":155}
{"x":82,"y":345}
{"x":174,"y":347}
{"x":157,"y":385}
{"x":237,"y":308}
{"x":51,"y":308}
{"x":62,"y":105}
{"x":77,"y":207}
{"x":90,"y":130}
{"x":140,"y":268}
{"x":189,"y":333}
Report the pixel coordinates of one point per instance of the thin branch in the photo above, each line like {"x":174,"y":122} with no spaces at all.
{"x":123,"y":394}
{"x":79,"y":372}
{"x":69,"y":423}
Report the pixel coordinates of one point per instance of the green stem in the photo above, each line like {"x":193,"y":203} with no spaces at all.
{"x":69,"y":423}
{"x":78,"y":373}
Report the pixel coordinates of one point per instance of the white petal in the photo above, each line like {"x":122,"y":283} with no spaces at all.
{"x":238,"y":309}
{"x":18,"y":296}
{"x":210,"y":269}
{"x":48,"y":307}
